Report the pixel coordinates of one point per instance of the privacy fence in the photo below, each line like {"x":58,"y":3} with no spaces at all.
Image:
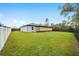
{"x":4,"y":33}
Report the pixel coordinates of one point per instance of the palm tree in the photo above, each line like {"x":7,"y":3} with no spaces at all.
{"x":46,"y":22}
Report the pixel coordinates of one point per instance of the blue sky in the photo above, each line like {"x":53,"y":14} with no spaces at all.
{"x":20,"y":14}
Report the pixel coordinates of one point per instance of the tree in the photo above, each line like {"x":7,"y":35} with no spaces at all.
{"x":63,"y":26}
{"x":46,"y":22}
{"x":69,"y":8}
{"x":1,"y":24}
{"x":52,"y":24}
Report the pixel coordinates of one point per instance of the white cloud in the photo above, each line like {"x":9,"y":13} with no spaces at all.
{"x":15,"y":21}
{"x":19,"y":22}
{"x":22,"y":22}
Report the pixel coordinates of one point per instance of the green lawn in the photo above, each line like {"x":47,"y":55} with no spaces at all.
{"x":41,"y":44}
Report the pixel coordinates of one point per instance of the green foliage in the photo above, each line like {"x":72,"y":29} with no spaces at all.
{"x":67,"y":9}
{"x":0,"y":25}
{"x":40,"y":44}
{"x":13,"y":29}
{"x":62,"y":26}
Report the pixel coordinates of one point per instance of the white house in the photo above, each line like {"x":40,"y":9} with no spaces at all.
{"x":35,"y":28}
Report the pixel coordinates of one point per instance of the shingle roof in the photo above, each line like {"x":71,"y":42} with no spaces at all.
{"x":36,"y":25}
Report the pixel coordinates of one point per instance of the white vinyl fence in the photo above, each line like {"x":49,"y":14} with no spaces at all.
{"x":4,"y":33}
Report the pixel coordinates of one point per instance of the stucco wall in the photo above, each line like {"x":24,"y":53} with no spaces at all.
{"x":24,"y":29}
{"x":28,"y":29}
{"x":44,"y":29}
{"x":35,"y":29}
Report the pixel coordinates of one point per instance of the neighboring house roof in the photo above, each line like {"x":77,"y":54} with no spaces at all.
{"x":2,"y":25}
{"x":36,"y":25}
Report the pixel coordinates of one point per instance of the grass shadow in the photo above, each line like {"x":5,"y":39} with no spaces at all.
{"x":76,"y":34}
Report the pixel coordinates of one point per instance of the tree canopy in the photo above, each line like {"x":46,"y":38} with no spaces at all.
{"x":70,"y":8}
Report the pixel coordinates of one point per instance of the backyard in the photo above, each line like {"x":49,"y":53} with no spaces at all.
{"x":41,"y":44}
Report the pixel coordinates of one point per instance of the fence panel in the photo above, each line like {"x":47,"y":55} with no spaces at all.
{"x":4,"y":33}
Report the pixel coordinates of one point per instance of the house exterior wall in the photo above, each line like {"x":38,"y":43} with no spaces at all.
{"x":44,"y":29}
{"x":35,"y":29}
{"x":24,"y":29}
{"x":28,"y":29}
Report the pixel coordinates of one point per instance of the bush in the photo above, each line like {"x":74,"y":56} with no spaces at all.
{"x":15,"y":29}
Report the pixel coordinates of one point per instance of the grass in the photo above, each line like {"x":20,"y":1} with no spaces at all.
{"x":41,"y":44}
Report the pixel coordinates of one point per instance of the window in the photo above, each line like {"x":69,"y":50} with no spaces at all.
{"x":32,"y":27}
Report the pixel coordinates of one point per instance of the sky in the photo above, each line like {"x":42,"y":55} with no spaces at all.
{"x":18,"y":14}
